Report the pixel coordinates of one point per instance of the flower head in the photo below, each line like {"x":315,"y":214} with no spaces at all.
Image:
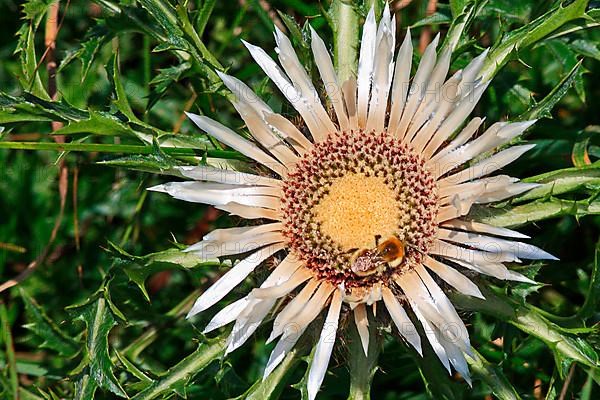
{"x":368,"y":208}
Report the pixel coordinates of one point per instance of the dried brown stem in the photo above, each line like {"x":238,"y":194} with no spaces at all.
{"x":399,"y":5}
{"x":51,"y":34}
{"x":187,"y":107}
{"x":425,"y":38}
{"x":565,"y":388}
{"x":270,"y":11}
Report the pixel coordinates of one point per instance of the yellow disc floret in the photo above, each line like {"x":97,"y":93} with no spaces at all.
{"x":356,"y":210}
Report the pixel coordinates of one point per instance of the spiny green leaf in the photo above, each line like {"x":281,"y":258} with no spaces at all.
{"x":175,"y":257}
{"x":586,"y":48}
{"x":94,"y":40}
{"x":158,"y":19}
{"x":34,"y":10}
{"x":564,"y":361}
{"x":493,"y":376}
{"x":523,"y":290}
{"x":136,"y":347}
{"x":180,"y":374}
{"x":32,"y":368}
{"x":98,"y":123}
{"x":120,"y":100}
{"x":456,"y":6}
{"x":96,"y":369}
{"x":164,"y":13}
{"x":543,"y":108}
{"x":134,"y":370}
{"x":122,"y":18}
{"x":531,"y":33}
{"x":165,"y":78}
{"x":31,"y":108}
{"x":593,"y":13}
{"x":139,"y":268}
{"x":577,"y":26}
{"x":535,"y":211}
{"x":509,"y":11}
{"x":60,"y":108}
{"x":436,"y":18}
{"x":294,"y":29}
{"x":302,"y":385}
{"x":519,"y":95}
{"x":46,"y":329}
{"x":343,"y":19}
{"x":185,"y":141}
{"x":153,"y":163}
{"x":561,"y":181}
{"x":300,"y":37}
{"x":564,"y":347}
{"x":188,"y":28}
{"x":204,"y":16}
{"x":29,"y":77}
{"x":173,"y":25}
{"x":568,"y":59}
{"x":461,"y":23}
{"x":85,"y":387}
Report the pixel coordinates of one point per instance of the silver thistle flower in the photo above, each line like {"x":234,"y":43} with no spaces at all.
{"x":362,"y":208}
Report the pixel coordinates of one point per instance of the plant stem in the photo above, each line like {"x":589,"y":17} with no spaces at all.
{"x":50,"y":41}
{"x":362,"y":368}
{"x":346,"y":39}
{"x":565,"y":388}
{"x":146,"y":69}
{"x":119,"y":148}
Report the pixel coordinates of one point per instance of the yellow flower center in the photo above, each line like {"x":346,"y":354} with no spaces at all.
{"x":356,"y":209}
{"x":349,"y":189}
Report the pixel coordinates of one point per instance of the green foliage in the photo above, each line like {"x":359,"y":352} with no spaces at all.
{"x":272,"y":386}
{"x":493,"y":376}
{"x":96,"y":367}
{"x":103,"y":314}
{"x":138,"y":269}
{"x":43,"y":327}
{"x":177,"y":378}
